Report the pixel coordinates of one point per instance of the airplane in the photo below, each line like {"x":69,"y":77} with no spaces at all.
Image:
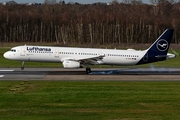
{"x":72,"y":57}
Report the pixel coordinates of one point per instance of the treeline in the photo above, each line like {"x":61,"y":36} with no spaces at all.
{"x":88,"y":24}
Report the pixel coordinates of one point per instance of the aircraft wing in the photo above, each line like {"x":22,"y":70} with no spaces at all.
{"x":87,"y":60}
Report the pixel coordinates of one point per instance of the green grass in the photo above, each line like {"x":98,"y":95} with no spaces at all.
{"x":9,"y":63}
{"x":60,"y":100}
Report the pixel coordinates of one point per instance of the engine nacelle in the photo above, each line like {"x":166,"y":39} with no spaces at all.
{"x":71,"y":64}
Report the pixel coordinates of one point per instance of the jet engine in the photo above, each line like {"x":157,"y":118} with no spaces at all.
{"x":71,"y":64}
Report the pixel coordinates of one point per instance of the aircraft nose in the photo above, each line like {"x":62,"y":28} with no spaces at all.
{"x":6,"y":55}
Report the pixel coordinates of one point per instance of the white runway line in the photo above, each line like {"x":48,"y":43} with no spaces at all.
{"x":6,"y":70}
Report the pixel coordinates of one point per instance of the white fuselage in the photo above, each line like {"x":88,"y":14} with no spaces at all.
{"x":77,"y":57}
{"x":59,"y":54}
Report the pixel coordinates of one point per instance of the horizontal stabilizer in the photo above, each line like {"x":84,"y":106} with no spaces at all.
{"x":168,"y":56}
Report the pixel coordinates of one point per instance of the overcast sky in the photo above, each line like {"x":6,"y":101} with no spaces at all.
{"x":67,"y":1}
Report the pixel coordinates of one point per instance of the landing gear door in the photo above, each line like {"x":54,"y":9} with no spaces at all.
{"x":23,"y":51}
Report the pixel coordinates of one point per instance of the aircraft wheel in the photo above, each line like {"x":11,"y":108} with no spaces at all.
{"x":22,"y":68}
{"x":88,"y":70}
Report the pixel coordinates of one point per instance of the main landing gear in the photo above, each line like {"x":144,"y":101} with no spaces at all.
{"x":88,"y":70}
{"x":22,"y":67}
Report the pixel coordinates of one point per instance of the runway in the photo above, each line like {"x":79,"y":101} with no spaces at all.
{"x":106,"y":74}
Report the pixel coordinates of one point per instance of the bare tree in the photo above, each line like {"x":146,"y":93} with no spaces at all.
{"x":114,"y":2}
{"x":50,"y":1}
{"x":70,"y":24}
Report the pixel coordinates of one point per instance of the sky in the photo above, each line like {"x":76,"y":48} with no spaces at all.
{"x":67,"y":1}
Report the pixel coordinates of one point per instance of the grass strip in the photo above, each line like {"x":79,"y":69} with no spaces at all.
{"x":68,"y":100}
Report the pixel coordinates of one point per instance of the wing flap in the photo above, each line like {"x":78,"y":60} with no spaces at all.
{"x":87,"y":60}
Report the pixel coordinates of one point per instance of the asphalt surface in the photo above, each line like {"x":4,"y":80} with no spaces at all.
{"x":113,"y":74}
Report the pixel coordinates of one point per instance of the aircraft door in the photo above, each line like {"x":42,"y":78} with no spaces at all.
{"x":57,"y":53}
{"x":23,"y":51}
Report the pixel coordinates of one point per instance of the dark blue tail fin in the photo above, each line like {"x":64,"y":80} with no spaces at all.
{"x":158,"y":50}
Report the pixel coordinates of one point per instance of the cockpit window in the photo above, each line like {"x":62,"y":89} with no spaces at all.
{"x":13,"y":50}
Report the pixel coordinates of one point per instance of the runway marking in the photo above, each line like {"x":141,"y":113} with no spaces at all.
{"x":1,"y":75}
{"x":6,"y":70}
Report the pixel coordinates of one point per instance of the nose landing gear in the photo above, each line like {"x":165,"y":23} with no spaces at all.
{"x":22,"y":67}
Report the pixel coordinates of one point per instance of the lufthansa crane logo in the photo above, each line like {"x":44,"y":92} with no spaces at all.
{"x":162,"y":45}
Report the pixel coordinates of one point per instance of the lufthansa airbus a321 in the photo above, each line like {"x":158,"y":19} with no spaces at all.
{"x":79,"y":57}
